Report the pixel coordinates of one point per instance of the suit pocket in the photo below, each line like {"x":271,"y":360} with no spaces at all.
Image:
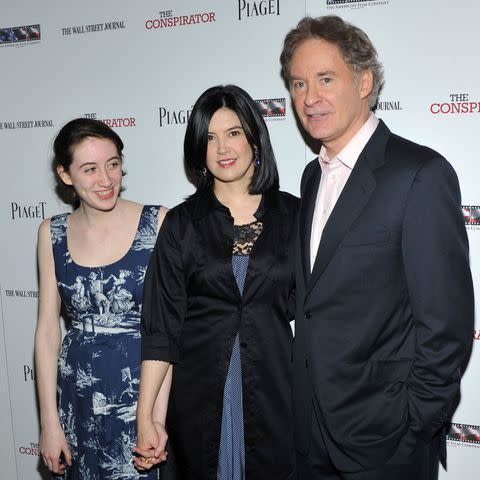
{"x":391,"y":375}
{"x":363,"y":238}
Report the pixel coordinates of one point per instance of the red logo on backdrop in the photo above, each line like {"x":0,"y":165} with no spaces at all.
{"x":119,"y":122}
{"x":476,"y":334}
{"x":30,"y":449}
{"x":114,"y":122}
{"x":166,"y":19}
{"x":458,"y":103}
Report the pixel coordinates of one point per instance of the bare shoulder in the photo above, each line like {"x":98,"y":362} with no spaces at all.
{"x":129,"y":211}
{"x":130,"y":206}
{"x":44,"y":231}
{"x":44,"y":243}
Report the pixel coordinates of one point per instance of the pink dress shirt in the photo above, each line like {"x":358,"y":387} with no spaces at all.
{"x":335,"y":173}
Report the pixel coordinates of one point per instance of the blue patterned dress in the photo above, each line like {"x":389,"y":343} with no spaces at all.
{"x":99,"y":361}
{"x":231,"y":455}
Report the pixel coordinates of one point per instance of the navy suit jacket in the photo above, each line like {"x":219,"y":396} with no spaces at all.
{"x":385,"y":318}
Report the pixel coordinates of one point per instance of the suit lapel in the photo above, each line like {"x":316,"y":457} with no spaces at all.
{"x":352,"y":200}
{"x":306,"y":217}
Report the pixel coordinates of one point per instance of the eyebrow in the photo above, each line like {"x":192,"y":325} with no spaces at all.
{"x":319,"y":74}
{"x":235,"y":127}
{"x":115,"y":157}
{"x":326,"y":72}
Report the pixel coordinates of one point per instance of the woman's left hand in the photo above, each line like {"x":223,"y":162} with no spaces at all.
{"x":151,"y":446}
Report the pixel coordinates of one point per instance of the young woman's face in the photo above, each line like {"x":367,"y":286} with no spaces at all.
{"x":95,"y":173}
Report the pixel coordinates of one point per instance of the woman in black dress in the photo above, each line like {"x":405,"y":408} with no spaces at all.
{"x":217,"y":305}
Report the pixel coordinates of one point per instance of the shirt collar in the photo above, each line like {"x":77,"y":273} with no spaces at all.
{"x":207,"y":203}
{"x":348,"y":156}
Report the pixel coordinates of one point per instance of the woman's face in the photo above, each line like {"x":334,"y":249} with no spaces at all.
{"x":229,"y":155}
{"x":95,"y":173}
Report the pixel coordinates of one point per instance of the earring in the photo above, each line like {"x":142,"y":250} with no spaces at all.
{"x":204,"y":171}
{"x":256,"y":157}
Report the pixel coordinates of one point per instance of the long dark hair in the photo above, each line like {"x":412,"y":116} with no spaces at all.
{"x":265,"y":176}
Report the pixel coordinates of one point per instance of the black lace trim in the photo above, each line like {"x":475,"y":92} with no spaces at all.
{"x":245,"y":236}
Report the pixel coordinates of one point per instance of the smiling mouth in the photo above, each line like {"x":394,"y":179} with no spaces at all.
{"x":228,"y":162}
{"x":104,"y":194}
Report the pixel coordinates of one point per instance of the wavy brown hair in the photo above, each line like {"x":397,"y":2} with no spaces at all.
{"x":356,"y":48}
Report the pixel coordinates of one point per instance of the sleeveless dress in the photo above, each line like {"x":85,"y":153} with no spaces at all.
{"x":231,"y":455}
{"x":99,"y":361}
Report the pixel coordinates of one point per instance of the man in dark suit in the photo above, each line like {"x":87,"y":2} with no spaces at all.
{"x":384,"y":290}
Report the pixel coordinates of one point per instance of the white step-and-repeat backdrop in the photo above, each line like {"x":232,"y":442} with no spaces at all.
{"x":139,"y":66}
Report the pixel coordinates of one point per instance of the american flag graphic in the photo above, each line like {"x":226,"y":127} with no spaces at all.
{"x":24,"y":33}
{"x":271,"y":107}
{"x":459,"y":432}
{"x":471,"y":214}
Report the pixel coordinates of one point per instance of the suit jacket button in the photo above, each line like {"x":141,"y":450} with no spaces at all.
{"x":308,"y":314}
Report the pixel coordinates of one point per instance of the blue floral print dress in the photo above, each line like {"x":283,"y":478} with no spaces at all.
{"x":99,"y":361}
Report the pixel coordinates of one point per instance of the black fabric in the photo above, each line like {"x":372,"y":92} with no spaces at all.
{"x":385,"y":317}
{"x":192,"y":312}
{"x":413,"y":460}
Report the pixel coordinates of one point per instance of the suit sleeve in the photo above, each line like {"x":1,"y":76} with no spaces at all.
{"x":164,"y":296}
{"x":435,"y":256}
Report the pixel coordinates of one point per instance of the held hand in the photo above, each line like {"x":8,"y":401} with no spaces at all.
{"x":151,"y":442}
{"x":52,"y":444}
{"x":161,"y":451}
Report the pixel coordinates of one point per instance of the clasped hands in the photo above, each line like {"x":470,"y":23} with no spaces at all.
{"x":151,"y":445}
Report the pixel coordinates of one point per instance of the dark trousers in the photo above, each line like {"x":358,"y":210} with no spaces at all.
{"x":422,"y":464}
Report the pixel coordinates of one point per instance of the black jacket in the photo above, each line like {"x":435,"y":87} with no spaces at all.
{"x":386,"y":316}
{"x":192,"y":312}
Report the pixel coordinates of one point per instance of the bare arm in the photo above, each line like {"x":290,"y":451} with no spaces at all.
{"x":161,"y":403}
{"x":47,"y":345}
{"x":155,"y":380}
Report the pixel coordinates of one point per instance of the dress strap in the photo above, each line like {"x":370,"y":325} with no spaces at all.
{"x":58,"y":232}
{"x":146,"y":235}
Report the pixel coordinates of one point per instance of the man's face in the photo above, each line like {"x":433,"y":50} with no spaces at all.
{"x":330,"y":100}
